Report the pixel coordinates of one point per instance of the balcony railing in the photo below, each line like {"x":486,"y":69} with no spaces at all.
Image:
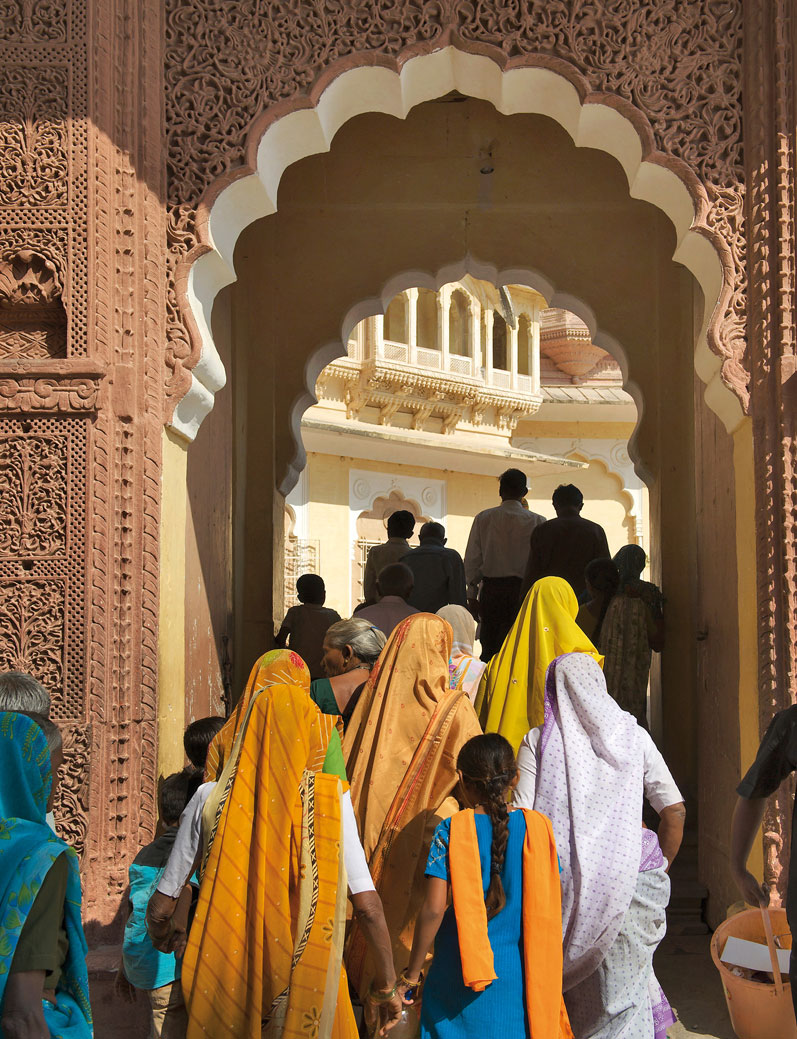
{"x":457,"y":364}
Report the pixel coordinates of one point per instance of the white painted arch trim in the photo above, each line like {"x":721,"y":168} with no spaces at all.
{"x":543,"y":91}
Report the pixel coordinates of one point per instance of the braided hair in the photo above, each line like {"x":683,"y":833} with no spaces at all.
{"x":487,"y":764}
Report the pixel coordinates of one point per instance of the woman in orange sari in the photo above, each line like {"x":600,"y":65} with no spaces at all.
{"x":264,"y":952}
{"x":401,"y":751}
{"x":279,"y":667}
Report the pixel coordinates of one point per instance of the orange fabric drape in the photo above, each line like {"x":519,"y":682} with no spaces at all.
{"x":279,"y":667}
{"x":542,"y":932}
{"x":266,"y":941}
{"x":478,"y":968}
{"x":401,"y":749}
{"x":542,"y":921}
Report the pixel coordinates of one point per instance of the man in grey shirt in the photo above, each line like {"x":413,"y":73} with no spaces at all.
{"x":495,"y":561}
{"x":395,"y":587}
{"x":400,"y":526}
{"x":438,"y":571}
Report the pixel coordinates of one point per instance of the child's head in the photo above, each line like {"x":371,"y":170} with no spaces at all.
{"x":174,"y":797}
{"x":310,"y":589}
{"x":487,"y":770}
{"x":197,"y":739}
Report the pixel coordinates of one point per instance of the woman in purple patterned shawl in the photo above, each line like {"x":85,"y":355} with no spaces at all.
{"x":588,"y":769}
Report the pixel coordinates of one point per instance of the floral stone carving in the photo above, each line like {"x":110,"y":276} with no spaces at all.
{"x":32,"y":630}
{"x":32,"y":316}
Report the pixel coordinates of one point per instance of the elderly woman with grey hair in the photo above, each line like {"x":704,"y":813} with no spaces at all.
{"x":350,"y":650}
{"x":21,"y":692}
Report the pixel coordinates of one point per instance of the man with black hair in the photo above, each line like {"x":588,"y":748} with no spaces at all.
{"x":394,"y":586}
{"x":495,"y":560}
{"x":142,"y":966}
{"x":562,"y":547}
{"x":438,"y":571}
{"x":306,"y":625}
{"x":400,"y":526}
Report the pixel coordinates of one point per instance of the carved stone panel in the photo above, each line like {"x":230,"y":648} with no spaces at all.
{"x":32,"y":616}
{"x":32,"y":315}
{"x":71,"y":807}
{"x":33,"y":496}
{"x":34,"y":107}
{"x":42,"y":555}
{"x":34,"y":21}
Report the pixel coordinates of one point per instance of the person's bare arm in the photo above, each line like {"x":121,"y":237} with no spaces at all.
{"x":427,"y":925}
{"x":23,"y":1017}
{"x":671,"y":830}
{"x":655,"y":628}
{"x":370,"y":916}
{"x":747,"y":818}
{"x":281,"y":638}
{"x":160,"y":927}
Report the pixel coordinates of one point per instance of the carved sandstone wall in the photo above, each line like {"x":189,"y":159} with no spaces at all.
{"x":82,"y":233}
{"x":89,"y":292}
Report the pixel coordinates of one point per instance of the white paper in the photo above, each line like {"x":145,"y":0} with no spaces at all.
{"x":753,"y":956}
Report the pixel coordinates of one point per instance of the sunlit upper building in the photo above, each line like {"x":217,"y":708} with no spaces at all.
{"x":435,"y":399}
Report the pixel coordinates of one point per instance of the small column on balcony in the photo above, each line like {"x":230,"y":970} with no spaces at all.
{"x":374,"y":336}
{"x":512,"y":334}
{"x":412,"y":324}
{"x":443,"y":308}
{"x":475,"y":330}
{"x":534,"y":367}
{"x":488,"y":346}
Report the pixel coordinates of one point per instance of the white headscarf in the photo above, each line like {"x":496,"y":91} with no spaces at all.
{"x":465,"y":670}
{"x":463,"y":626}
{"x":590,"y":777}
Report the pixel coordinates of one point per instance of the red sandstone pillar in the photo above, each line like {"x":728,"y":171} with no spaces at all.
{"x":769,"y":149}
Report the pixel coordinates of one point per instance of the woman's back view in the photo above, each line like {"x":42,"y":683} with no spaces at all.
{"x":497,"y":967}
{"x":447,"y":1003}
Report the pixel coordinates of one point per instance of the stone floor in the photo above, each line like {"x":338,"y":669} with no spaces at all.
{"x":683,"y":966}
{"x":687,"y":974}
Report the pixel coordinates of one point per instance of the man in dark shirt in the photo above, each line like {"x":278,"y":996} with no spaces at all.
{"x":776,"y":759}
{"x":439,"y":571}
{"x":562,"y":547}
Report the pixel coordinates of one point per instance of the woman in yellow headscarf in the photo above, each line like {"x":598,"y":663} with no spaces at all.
{"x":512,"y":689}
{"x":279,"y":667}
{"x":279,"y":846}
{"x":401,"y":752}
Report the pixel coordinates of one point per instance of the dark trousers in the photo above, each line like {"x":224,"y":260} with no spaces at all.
{"x":498,"y":605}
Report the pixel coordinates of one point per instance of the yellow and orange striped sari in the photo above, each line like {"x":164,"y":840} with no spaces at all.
{"x":279,"y":667}
{"x":265,"y":948}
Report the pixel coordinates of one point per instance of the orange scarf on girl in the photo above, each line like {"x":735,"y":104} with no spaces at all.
{"x":542,"y":920}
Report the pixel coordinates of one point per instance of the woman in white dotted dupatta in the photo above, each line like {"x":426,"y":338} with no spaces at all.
{"x":587,"y":768}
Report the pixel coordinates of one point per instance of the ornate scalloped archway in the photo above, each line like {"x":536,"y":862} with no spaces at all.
{"x":604,"y":122}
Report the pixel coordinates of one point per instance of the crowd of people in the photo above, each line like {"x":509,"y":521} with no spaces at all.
{"x":389,"y":832}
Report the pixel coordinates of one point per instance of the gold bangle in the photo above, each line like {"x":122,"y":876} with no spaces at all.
{"x":382,"y":997}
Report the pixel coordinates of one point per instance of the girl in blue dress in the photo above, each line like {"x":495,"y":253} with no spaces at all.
{"x":498,"y":945}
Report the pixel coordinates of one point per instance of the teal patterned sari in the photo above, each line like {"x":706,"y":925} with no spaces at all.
{"x":28,"y":848}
